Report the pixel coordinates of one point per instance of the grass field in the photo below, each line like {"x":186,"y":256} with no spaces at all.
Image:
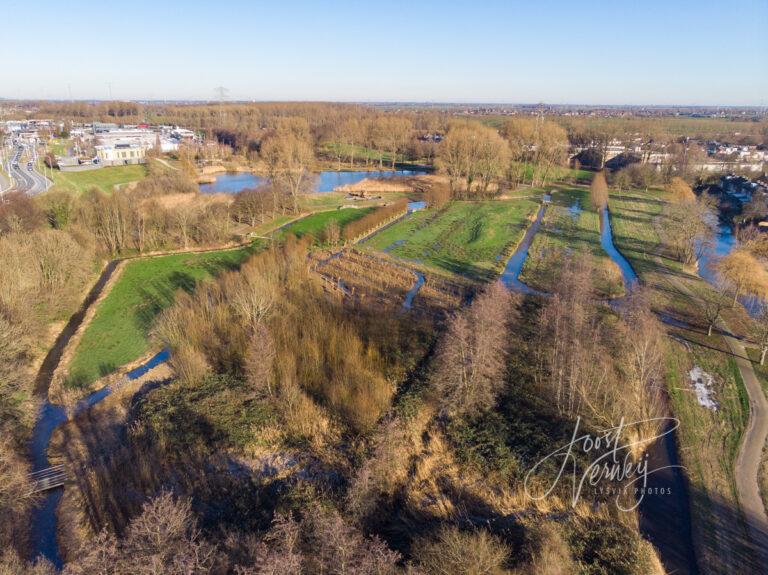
{"x":332,"y":200}
{"x":570,"y":225}
{"x":104,"y":178}
{"x":315,"y":224}
{"x":119,"y":331}
{"x":468,"y":238}
{"x":59,"y":147}
{"x":558,"y":173}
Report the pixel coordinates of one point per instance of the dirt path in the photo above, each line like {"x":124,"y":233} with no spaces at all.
{"x":167,"y":165}
{"x":748,"y":461}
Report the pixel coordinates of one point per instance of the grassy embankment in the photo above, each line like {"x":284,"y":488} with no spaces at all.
{"x":315,"y":224}
{"x":466,"y":238}
{"x":119,"y":331}
{"x":332,"y":200}
{"x":708,"y":439}
{"x":570,"y":225}
{"x":103,"y":178}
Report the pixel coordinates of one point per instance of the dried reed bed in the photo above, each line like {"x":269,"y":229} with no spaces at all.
{"x":380,"y":282}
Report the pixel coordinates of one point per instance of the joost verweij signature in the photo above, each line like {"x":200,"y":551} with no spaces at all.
{"x":612,"y":461}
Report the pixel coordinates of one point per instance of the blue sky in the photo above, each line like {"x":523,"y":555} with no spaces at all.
{"x":588,"y":51}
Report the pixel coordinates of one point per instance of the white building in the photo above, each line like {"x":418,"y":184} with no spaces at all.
{"x":121,"y":154}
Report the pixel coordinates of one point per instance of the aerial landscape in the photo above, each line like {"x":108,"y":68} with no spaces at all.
{"x":419,"y":289}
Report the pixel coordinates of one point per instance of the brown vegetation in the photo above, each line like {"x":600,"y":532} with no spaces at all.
{"x":598,"y":191}
{"x":369,"y":222}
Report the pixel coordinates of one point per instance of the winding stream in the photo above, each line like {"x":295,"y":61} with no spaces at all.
{"x":408,"y":303}
{"x":43,"y":519}
{"x":724,"y":243}
{"x":628,"y":274}
{"x":510,"y":277}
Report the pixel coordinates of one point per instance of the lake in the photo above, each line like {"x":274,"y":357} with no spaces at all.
{"x":327,"y":181}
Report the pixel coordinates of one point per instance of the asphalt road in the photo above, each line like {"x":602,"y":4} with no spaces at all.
{"x":28,"y":181}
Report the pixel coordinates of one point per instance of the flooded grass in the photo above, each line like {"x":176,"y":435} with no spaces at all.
{"x":570,"y":225}
{"x":465,"y":238}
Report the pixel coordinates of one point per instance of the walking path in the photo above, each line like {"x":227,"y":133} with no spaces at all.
{"x":747,"y":468}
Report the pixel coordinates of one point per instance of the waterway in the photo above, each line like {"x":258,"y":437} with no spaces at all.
{"x":724,"y":242}
{"x":408,"y":303}
{"x":628,"y":274}
{"x":51,"y":416}
{"x":510,"y":277}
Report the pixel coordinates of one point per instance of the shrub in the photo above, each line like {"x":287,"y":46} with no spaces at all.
{"x":455,"y":552}
{"x":604,"y":547}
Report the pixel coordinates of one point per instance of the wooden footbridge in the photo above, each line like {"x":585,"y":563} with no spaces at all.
{"x":49,"y":478}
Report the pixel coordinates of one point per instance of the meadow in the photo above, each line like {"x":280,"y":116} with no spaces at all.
{"x":119,"y":331}
{"x":315,"y":224}
{"x":466,"y":238}
{"x":103,"y":178}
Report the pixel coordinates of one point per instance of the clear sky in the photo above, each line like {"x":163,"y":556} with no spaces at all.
{"x":574,"y":51}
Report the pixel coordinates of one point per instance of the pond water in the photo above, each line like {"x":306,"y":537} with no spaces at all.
{"x":724,"y":242}
{"x":327,"y":181}
{"x":233,"y":182}
{"x":416,"y":206}
{"x":43,"y":520}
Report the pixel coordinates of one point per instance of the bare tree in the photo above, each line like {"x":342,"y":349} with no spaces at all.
{"x":259,"y":360}
{"x":539,"y":143}
{"x":164,"y":538}
{"x":472,"y":152}
{"x":744,"y":273}
{"x":288,"y":157}
{"x":598,"y":191}
{"x":470,"y":363}
{"x":685,"y":231}
{"x":714,"y":301}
